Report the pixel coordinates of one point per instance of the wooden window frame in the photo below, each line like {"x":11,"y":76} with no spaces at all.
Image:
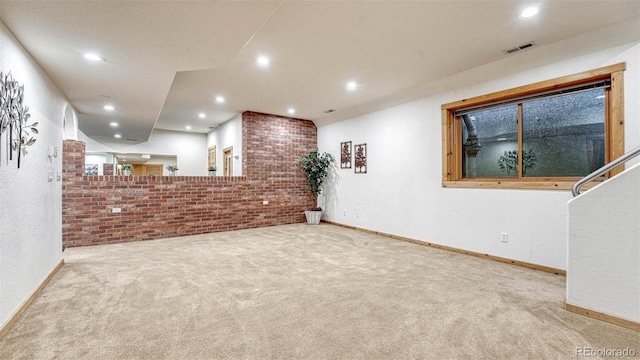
{"x":452,"y":151}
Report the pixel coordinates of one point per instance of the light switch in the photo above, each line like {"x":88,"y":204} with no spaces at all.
{"x":50,"y":175}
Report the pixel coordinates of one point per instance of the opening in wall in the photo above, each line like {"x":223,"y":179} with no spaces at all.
{"x":227,"y":158}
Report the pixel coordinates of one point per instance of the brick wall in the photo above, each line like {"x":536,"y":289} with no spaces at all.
{"x":167,"y":206}
{"x":107,"y":169}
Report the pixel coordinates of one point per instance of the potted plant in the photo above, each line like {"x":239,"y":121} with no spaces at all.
{"x":212,"y":170}
{"x":316,"y":167}
{"x":126,"y":169}
{"x":172,"y":169}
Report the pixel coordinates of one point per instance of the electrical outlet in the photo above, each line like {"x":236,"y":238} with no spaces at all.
{"x":345,"y":212}
{"x":357,"y":214}
{"x":265,"y":202}
{"x":116,"y":210}
{"x":505,"y":237}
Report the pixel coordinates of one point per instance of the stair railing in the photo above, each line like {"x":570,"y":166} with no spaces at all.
{"x":606,"y":168}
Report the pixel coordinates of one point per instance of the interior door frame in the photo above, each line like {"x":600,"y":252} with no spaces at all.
{"x":227,"y":160}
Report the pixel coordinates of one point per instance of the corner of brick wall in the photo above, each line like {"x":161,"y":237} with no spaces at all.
{"x":273,"y":144}
{"x":169,"y":206}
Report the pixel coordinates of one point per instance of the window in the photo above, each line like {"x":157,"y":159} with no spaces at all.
{"x":545,"y":135}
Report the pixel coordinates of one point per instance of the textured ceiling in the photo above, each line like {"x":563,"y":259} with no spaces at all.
{"x":166,"y":61}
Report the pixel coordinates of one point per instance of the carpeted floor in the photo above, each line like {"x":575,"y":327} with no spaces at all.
{"x":299,"y":292}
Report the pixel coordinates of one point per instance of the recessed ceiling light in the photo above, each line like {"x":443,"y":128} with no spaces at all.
{"x":117,"y":136}
{"x":93,"y":57}
{"x":529,"y":12}
{"x":202,"y":115}
{"x":114,"y":124}
{"x":219,"y":99}
{"x":188,"y":127}
{"x":263,"y":61}
{"x":109,"y":107}
{"x":352,"y":85}
{"x":291,"y":111}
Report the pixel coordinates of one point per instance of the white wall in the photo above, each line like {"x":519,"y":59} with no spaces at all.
{"x":31,"y":206}
{"x":402,"y":194}
{"x":228,"y":134}
{"x":603,"y":272}
{"x":189,"y":148}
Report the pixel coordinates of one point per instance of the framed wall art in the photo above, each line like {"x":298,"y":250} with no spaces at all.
{"x":345,"y":155}
{"x":14,"y":118}
{"x":91,"y":169}
{"x":360,"y":159}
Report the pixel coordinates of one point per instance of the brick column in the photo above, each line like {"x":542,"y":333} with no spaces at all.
{"x":107,"y":169}
{"x":72,"y":158}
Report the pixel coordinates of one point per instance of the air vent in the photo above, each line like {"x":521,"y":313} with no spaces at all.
{"x":328,"y":111}
{"x":521,"y":47}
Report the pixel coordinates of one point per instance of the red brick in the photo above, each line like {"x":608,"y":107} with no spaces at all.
{"x":169,"y":206}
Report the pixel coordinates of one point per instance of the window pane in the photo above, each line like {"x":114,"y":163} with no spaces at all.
{"x":493,"y":154}
{"x":563,"y":135}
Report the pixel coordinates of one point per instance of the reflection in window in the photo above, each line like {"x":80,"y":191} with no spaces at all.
{"x":487,"y":136}
{"x":566,"y":133}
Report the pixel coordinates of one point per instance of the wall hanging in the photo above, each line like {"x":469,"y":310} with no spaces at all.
{"x":90,"y":169}
{"x":14,"y":118}
{"x":345,"y":155}
{"x":360,"y":159}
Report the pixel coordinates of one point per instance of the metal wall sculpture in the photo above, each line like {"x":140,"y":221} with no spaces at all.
{"x":360,"y":159}
{"x":345,"y":155}
{"x":14,"y":117}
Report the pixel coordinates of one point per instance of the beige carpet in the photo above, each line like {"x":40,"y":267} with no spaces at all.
{"x":299,"y":292}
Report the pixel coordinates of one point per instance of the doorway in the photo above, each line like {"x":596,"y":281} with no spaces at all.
{"x":227,"y":159}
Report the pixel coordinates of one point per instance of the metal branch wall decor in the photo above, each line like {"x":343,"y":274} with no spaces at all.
{"x":345,"y":155}
{"x":360,"y":159}
{"x":14,"y":118}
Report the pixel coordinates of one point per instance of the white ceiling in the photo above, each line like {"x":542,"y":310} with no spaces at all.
{"x":166,"y":61}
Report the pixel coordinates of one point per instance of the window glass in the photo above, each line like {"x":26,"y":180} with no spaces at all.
{"x":493,"y":152}
{"x":563,"y":135}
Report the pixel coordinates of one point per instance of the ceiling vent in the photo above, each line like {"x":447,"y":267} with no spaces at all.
{"x":328,"y":111}
{"x":521,"y":47}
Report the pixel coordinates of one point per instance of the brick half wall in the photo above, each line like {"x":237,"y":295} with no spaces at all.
{"x":153,"y":207}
